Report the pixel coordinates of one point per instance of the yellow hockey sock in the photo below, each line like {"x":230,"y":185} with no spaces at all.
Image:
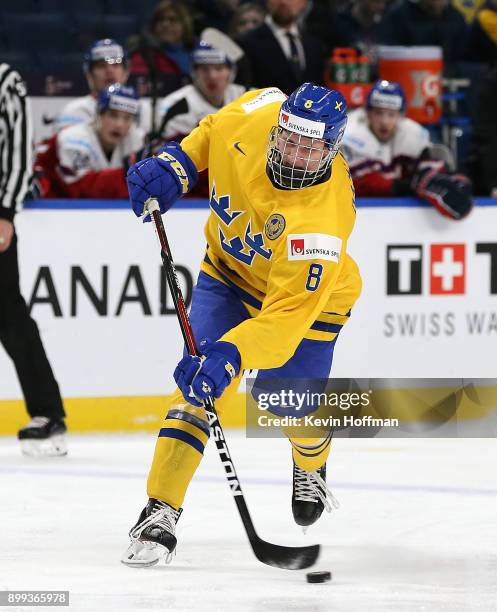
{"x":311,"y":453}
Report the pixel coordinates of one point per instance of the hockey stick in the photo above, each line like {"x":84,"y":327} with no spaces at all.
{"x":278,"y":556}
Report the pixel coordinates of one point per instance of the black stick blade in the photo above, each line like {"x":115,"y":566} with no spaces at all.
{"x":285,"y":557}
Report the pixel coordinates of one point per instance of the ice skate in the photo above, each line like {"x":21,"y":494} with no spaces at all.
{"x":43,"y":437}
{"x":310,"y":496}
{"x":153,"y":536}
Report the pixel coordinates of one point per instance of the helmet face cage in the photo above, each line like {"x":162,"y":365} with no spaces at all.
{"x":297,"y":161}
{"x":305,"y":141}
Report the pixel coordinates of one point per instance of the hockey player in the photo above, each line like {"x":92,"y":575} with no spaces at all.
{"x":212,"y":88}
{"x":391,"y":155}
{"x":105,"y":63}
{"x":276,"y":284}
{"x":89,"y":160}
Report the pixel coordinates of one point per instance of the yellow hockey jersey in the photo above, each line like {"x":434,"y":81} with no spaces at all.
{"x":283,"y":251}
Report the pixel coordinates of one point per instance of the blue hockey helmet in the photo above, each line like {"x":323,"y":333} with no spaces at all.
{"x":316,"y":114}
{"x":205,"y":53}
{"x":118,"y":97}
{"x":105,"y":50}
{"x":387,"y":94}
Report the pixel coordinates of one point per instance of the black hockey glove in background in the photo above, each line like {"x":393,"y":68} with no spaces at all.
{"x":450,"y":194}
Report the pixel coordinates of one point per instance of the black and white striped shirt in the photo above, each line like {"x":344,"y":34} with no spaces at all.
{"x":15,"y":142}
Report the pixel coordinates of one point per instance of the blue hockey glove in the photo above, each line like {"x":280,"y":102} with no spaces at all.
{"x":165,"y":177}
{"x":200,"y":378}
{"x":185,"y":372}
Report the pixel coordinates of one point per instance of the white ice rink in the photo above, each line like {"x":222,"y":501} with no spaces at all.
{"x":416,"y":530}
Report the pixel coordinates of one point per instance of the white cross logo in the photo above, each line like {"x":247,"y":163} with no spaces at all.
{"x":448,"y":269}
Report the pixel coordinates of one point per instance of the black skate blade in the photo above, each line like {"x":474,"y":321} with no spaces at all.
{"x":285,"y":557}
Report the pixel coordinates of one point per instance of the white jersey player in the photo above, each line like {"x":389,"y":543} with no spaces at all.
{"x":391,"y":155}
{"x":76,"y":111}
{"x":80,"y":150}
{"x":181,"y":111}
{"x":381,"y":145}
{"x":104,"y":64}
{"x":92,"y":157}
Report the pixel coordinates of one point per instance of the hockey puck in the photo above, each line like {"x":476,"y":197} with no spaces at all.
{"x":315,"y":577}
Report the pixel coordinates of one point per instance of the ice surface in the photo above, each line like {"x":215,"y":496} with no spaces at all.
{"x":416,"y":530}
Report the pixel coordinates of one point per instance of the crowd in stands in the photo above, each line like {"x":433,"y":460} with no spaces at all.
{"x":153,"y":47}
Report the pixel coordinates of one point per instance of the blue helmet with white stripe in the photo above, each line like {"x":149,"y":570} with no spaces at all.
{"x":387,"y":94}
{"x":105,"y":50}
{"x":119,"y":97}
{"x":311,"y":122}
{"x":313,"y":110}
{"x":205,"y":53}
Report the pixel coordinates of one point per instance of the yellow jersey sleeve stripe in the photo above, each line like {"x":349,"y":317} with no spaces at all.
{"x":318,"y":335}
{"x":334,"y":317}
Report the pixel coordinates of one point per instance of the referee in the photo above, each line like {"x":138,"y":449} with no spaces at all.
{"x":19,"y":334}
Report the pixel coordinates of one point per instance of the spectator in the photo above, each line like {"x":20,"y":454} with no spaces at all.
{"x":482,"y":42}
{"x":160,"y":56}
{"x":105,"y":63}
{"x":19,"y":333}
{"x":391,"y":155}
{"x":279,"y":53}
{"x":318,"y":19}
{"x":359,"y":24}
{"x":89,"y":160}
{"x":485,"y":137}
{"x":246,"y":17}
{"x":427,"y":22}
{"x":212,"y":88}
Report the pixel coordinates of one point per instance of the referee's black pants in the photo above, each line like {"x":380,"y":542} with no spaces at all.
{"x":21,"y":339}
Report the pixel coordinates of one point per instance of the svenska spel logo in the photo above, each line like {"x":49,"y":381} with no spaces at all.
{"x":284,"y":118}
{"x":297,"y":246}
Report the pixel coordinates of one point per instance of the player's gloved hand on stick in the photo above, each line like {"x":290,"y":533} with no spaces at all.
{"x":208,"y":376}
{"x":165,"y":177}
{"x":450,"y":194}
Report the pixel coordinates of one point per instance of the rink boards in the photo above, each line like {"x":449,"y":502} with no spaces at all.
{"x":91,"y":274}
